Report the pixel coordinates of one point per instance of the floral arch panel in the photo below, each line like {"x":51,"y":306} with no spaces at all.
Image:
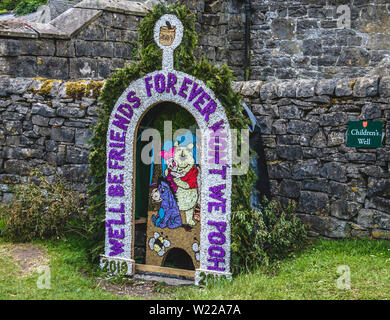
{"x":214,"y":190}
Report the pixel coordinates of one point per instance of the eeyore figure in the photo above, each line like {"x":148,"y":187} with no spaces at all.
{"x":168,"y":214}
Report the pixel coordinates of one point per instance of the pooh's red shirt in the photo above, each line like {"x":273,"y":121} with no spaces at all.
{"x":191,"y":178}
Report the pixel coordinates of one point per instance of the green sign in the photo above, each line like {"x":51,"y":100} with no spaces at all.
{"x":364,"y":134}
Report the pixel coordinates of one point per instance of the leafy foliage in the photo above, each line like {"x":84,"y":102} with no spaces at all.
{"x":8,"y":4}
{"x":175,"y":114}
{"x":265,"y":236}
{"x":21,"y":7}
{"x":28,"y":6}
{"x":41,"y":210}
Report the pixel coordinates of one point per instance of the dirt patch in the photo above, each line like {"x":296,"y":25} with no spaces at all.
{"x":27,"y":256}
{"x":138,"y":288}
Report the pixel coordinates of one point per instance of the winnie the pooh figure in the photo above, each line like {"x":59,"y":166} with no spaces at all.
{"x":187,"y":182}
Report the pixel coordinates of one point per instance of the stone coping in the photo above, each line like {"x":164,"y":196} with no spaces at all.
{"x":51,"y":87}
{"x":271,"y":90}
{"x":312,"y":88}
{"x":71,"y":21}
{"x":120,"y":6}
{"x":17,"y":29}
{"x":67,"y":23}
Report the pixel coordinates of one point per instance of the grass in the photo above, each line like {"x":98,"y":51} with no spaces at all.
{"x":311,"y":274}
{"x":70,"y":278}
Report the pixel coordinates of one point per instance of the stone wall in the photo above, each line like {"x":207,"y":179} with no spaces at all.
{"x":93,"y":39}
{"x":339,"y":191}
{"x":297,"y":39}
{"x":288,"y":39}
{"x":302,"y":38}
{"x":220,"y":27}
{"x":82,"y":43}
{"x":45,"y":124}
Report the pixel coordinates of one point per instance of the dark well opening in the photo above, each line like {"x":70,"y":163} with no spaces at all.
{"x":154,"y":119}
{"x":179,"y":259}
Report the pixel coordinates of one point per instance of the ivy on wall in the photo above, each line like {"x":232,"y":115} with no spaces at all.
{"x":218,"y":79}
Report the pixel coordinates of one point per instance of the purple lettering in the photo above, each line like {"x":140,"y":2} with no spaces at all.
{"x":217,"y":252}
{"x":121,"y":123}
{"x":216,"y":263}
{"x":217,"y":143}
{"x":115,"y":233}
{"x":117,"y":145}
{"x":217,"y":126}
{"x":209,"y":109}
{"x":213,"y":143}
{"x":148,"y":86}
{"x":215,"y":157}
{"x":114,"y":165}
{"x":129,"y":113}
{"x":116,"y":136}
{"x":114,"y":221}
{"x":116,"y":248}
{"x":121,"y":209}
{"x":115,"y":179}
{"x":217,"y":206}
{"x":222,"y":172}
{"x":221,"y":239}
{"x":117,"y":155}
{"x":116,"y":191}
{"x":194,"y":92}
{"x":220,"y":226}
{"x":216,"y":192}
{"x":222,"y":142}
{"x":184,"y":87}
{"x":219,"y":133}
{"x":197,"y":104}
{"x":132,"y":98}
{"x":172,"y":79}
{"x":159,"y":83}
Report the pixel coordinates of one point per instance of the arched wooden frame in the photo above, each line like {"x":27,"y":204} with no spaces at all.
{"x":135,"y":102}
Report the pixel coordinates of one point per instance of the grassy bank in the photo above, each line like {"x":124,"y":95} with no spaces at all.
{"x":311,"y":274}
{"x":69,"y":272}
